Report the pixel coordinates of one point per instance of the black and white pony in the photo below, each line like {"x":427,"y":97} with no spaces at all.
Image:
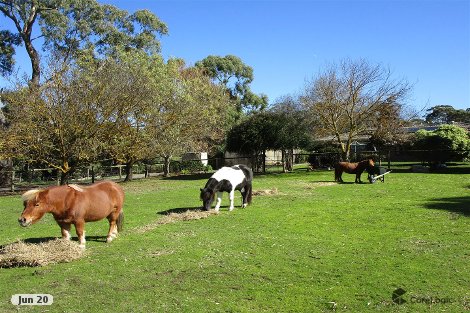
{"x":228,"y":179}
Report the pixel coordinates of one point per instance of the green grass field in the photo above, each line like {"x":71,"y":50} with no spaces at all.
{"x":308,"y":245}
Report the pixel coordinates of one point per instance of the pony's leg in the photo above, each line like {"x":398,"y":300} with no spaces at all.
{"x":232,"y":197}
{"x":244,"y":193}
{"x":112,"y":233}
{"x":65,"y":230}
{"x":80,"y":229}
{"x":358,"y":179}
{"x":219,"y":200}
{"x":113,"y":229}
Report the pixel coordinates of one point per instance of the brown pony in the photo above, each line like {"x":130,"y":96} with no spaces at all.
{"x":352,"y":168}
{"x":71,"y":204}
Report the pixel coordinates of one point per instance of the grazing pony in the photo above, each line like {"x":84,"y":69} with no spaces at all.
{"x":72,"y":204}
{"x":228,"y":179}
{"x":353,"y":168}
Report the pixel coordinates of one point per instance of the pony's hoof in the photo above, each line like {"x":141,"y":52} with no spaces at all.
{"x":82,"y":246}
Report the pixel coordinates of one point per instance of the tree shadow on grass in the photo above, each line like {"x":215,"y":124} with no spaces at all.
{"x":40,"y":240}
{"x":46,"y":239}
{"x":197,"y":176}
{"x":181,"y":210}
{"x":459,"y":205}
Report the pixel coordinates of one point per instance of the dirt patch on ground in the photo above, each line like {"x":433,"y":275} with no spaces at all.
{"x":176,"y":217}
{"x":21,"y":254}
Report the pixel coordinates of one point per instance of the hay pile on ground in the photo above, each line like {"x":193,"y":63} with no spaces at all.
{"x":318,"y":184}
{"x":176,"y":217}
{"x":20,"y":254}
{"x":266,"y":192}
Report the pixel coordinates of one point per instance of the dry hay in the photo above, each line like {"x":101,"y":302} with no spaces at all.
{"x":318,"y":184}
{"x":21,"y":254}
{"x":266,"y":192}
{"x":176,"y":217}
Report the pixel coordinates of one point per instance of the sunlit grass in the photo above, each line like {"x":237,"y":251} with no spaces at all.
{"x":310,"y":246}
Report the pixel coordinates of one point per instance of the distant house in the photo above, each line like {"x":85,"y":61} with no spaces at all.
{"x":196,"y":156}
{"x":414,"y":129}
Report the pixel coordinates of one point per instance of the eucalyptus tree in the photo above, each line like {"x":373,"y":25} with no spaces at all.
{"x":8,"y":41}
{"x":78,"y":28}
{"x":446,"y":114}
{"x":236,"y":76}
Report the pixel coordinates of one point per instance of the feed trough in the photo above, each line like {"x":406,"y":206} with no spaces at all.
{"x":378,"y":173}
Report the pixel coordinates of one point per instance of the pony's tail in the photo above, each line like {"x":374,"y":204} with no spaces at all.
{"x":120,"y":221}
{"x":250,"y":193}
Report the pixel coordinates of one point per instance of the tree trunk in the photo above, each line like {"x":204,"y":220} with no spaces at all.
{"x":64,"y":177}
{"x":347,"y":154}
{"x":283,"y":161}
{"x":166,"y":165}
{"x":35,"y":62}
{"x":290,"y":160}
{"x":128,"y":169}
{"x":264,"y":161}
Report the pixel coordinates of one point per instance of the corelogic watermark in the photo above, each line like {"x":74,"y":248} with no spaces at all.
{"x":400,"y":296}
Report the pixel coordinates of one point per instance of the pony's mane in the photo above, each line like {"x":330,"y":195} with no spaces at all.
{"x":30,"y":194}
{"x":76,"y":187}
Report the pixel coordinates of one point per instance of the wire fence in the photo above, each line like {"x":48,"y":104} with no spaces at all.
{"x":16,"y":176}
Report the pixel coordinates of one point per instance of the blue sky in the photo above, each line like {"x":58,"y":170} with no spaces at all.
{"x":288,"y":42}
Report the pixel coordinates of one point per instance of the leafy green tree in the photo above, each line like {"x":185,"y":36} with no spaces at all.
{"x":7,"y":42}
{"x":446,"y":114}
{"x":447,"y":143}
{"x":269,"y":130}
{"x":52,"y":127}
{"x":131,"y":82}
{"x":236,"y":76}
{"x":192,"y":115}
{"x":66,"y":122}
{"x":79,"y":28}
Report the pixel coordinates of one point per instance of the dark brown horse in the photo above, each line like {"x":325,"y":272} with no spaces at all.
{"x":72,"y":204}
{"x":352,"y":168}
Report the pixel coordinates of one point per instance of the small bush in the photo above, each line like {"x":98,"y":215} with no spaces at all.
{"x":188,"y":167}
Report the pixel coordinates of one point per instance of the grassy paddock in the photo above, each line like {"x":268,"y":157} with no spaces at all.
{"x":307,"y":245}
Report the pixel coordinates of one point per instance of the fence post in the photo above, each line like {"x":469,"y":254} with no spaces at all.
{"x":389,"y":159}
{"x":92,"y":174}
{"x":12,"y":187}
